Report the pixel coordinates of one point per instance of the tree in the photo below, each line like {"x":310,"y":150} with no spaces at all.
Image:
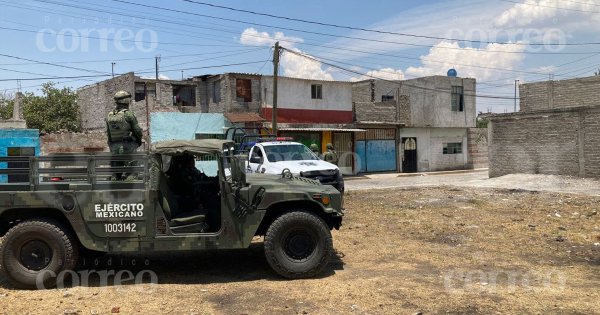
{"x":597,"y":72}
{"x":6,"y":106}
{"x":56,"y":109}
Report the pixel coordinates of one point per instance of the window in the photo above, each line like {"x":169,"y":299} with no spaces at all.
{"x":316,"y":91}
{"x":243,"y":90}
{"x":217,"y":91}
{"x":387,"y":98}
{"x":453,"y":148}
{"x":140,"y":91}
{"x":184,"y":95}
{"x":458,"y":102}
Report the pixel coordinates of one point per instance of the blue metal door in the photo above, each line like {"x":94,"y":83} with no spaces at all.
{"x":381,"y":155}
{"x":376,"y":155}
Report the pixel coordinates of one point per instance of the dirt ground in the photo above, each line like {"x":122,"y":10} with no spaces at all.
{"x":442,"y":250}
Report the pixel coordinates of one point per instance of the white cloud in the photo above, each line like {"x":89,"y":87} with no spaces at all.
{"x":564,"y":15}
{"x":384,"y":73}
{"x":469,"y":62}
{"x":252,"y":37}
{"x":294,"y":66}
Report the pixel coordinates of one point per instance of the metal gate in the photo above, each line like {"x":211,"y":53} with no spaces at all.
{"x":376,"y":150}
{"x":342,"y":143}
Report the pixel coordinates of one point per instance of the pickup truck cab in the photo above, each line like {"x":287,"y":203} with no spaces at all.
{"x":273,"y":157}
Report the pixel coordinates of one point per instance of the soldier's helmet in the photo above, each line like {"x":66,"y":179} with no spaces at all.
{"x":330,"y":146}
{"x":122,"y":97}
{"x":314,"y":147}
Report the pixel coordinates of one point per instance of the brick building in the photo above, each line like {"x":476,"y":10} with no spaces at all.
{"x":556,"y":131}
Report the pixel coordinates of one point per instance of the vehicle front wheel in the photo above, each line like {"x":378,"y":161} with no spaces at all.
{"x":35,"y":252}
{"x":298,"y":244}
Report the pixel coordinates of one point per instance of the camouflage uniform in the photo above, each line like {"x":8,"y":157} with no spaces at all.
{"x":123,"y":132}
{"x":330,"y":155}
{"x":315,"y":149}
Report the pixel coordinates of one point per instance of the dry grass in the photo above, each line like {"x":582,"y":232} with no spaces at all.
{"x":430,"y":250}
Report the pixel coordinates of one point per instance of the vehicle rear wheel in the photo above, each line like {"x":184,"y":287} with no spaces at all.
{"x":298,"y":244}
{"x":35,"y":249}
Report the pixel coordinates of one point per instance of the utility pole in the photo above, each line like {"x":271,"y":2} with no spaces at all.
{"x":156,"y":59}
{"x":516,"y":84}
{"x":112,"y":66}
{"x":275,"y":73}
{"x":181,"y":75}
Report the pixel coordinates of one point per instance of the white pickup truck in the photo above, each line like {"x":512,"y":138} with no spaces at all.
{"x":273,"y":157}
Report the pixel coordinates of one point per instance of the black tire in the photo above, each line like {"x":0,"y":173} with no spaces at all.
{"x":298,"y":245}
{"x":34,"y":247}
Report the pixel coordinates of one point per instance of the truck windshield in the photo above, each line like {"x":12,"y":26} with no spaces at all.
{"x":288,"y":152}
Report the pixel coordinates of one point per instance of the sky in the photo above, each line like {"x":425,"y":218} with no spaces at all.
{"x":76,"y":43}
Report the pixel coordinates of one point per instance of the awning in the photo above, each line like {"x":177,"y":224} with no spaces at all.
{"x":243,"y":117}
{"x":322,"y":129}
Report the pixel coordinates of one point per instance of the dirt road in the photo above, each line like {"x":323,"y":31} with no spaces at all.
{"x":430,"y":250}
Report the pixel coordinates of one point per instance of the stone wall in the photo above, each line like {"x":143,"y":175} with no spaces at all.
{"x":560,"y":142}
{"x":559,"y":94}
{"x":477,"y":143}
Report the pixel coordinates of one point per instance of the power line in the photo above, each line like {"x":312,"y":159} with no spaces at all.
{"x":143,"y":72}
{"x":404,"y":84}
{"x":551,"y":7}
{"x":371,"y":30}
{"x":51,"y":64}
{"x":308,"y":32}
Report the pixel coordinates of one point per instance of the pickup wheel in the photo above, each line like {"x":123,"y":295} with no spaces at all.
{"x":35,"y":249}
{"x":298,"y":244}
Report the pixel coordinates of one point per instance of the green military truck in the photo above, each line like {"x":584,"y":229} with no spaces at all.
{"x":70,"y":205}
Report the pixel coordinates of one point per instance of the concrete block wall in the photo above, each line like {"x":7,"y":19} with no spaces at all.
{"x":559,"y":142}
{"x":229,"y":102}
{"x":559,"y":94}
{"x":477,"y":147}
{"x":96,"y":100}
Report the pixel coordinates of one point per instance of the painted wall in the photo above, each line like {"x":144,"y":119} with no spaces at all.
{"x":430,"y":143}
{"x":17,"y":138}
{"x":185,"y":126}
{"x":295,"y":105}
{"x":430,"y":102}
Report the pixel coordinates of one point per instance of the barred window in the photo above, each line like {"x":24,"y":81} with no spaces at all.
{"x":453,"y":148}
{"x":458,"y":103}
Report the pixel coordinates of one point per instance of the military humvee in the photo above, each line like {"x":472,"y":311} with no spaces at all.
{"x":69,"y":204}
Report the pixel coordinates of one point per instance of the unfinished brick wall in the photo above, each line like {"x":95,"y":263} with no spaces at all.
{"x":96,"y":100}
{"x":478,"y":148}
{"x":560,"y":94}
{"x":389,"y":112}
{"x":559,"y":142}
{"x":73,"y":142}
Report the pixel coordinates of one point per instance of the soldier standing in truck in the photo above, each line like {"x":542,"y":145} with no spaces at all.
{"x":123,"y":132}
